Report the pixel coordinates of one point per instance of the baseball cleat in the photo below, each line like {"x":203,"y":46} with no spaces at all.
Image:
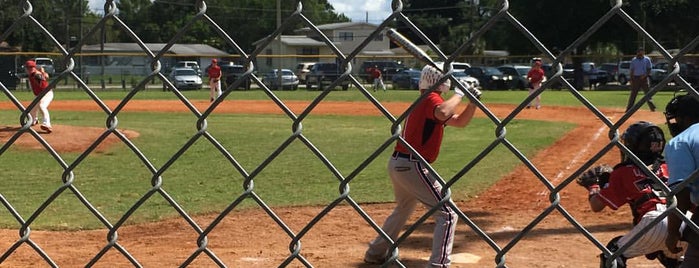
{"x":46,"y":128}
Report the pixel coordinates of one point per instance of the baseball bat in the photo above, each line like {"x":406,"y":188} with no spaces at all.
{"x":410,"y":47}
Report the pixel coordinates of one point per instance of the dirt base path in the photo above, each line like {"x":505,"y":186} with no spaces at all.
{"x":251,"y":239}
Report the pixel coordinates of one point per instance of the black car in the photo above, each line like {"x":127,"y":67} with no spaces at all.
{"x":232,"y":72}
{"x":324,"y":73}
{"x":388,"y":68}
{"x":688,"y":71}
{"x":612,"y":70}
{"x":489,"y":77}
{"x":408,"y":78}
{"x":518,"y":75}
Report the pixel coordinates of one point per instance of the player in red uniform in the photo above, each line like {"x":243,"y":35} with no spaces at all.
{"x":535,"y":76}
{"x":214,"y":79}
{"x":39,"y":81}
{"x":629,"y":184}
{"x":412,"y":181}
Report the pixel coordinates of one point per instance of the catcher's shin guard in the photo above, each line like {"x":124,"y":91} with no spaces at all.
{"x":613,"y":247}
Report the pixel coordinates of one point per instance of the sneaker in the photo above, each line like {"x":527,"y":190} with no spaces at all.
{"x":529,"y":106}
{"x":538,"y":106}
{"x":46,"y":128}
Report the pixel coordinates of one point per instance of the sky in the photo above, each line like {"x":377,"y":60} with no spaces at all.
{"x":373,"y":11}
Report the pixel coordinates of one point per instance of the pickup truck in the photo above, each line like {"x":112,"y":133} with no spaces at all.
{"x":324,"y":73}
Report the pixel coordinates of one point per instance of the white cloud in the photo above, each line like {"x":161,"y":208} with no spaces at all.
{"x":375,"y":10}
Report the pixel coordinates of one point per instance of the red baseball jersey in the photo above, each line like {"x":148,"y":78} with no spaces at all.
{"x":214,"y":71}
{"x":38,"y":82}
{"x":422,"y":130}
{"x":536,"y":75}
{"x":628,"y":184}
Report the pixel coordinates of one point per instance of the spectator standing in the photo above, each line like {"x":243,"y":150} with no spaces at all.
{"x":639,"y":71}
{"x":682,"y":154}
{"x":214,"y":72}
{"x":39,"y":81}
{"x":535,"y":76}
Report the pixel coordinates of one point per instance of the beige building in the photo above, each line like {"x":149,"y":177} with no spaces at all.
{"x":289,"y":50}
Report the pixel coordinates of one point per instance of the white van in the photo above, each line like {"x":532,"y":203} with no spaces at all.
{"x":189,"y":64}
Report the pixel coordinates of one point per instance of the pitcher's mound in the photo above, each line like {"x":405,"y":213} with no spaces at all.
{"x":64,"y":138}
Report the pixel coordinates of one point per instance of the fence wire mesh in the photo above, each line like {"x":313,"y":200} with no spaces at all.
{"x":343,"y":180}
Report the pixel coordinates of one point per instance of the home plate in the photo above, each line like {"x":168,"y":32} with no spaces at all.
{"x":463,"y":258}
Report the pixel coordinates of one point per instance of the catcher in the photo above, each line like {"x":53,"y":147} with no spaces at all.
{"x":627,"y":183}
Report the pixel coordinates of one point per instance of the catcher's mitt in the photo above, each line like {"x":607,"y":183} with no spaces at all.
{"x":598,"y":175}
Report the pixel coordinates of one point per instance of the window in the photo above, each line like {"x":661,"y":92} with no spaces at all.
{"x":309,"y":51}
{"x":378,"y":38}
{"x":268,"y":60}
{"x":346,"y":36}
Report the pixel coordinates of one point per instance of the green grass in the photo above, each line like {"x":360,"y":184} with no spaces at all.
{"x":202,"y":180}
{"x":605,"y":98}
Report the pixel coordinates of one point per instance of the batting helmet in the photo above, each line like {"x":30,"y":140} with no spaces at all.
{"x":684,"y":106}
{"x":429,"y":76}
{"x":29,"y":63}
{"x":645,"y":140}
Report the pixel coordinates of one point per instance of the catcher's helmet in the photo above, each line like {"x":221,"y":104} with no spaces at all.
{"x":430,"y":75}
{"x":681,"y":106}
{"x":645,"y":140}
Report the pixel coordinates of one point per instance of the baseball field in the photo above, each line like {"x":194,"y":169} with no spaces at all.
{"x":259,"y":173}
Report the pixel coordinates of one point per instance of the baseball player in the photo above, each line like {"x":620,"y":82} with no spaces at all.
{"x":214,"y":80}
{"x":626,"y":183}
{"x":412,"y":182}
{"x":535,"y":77}
{"x":378,"y":78}
{"x":38,"y":79}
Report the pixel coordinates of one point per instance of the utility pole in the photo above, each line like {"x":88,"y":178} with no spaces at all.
{"x":279,"y":39}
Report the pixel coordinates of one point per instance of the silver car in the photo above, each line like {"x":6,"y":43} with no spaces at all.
{"x":289,"y":79}
{"x":185,"y":78}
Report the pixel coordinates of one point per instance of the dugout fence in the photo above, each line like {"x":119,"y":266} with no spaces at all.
{"x":296,"y":255}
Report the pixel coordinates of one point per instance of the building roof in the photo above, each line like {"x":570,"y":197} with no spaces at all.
{"x":338,"y":25}
{"x":296,"y":40}
{"x":180,"y":49}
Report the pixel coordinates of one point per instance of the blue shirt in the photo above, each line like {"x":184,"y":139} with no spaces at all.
{"x":640,"y":66}
{"x":682,"y":156}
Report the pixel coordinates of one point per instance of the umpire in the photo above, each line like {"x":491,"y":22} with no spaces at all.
{"x":682,"y":155}
{"x":639,"y":71}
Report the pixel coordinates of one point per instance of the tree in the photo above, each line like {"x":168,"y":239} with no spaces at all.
{"x":161,"y":20}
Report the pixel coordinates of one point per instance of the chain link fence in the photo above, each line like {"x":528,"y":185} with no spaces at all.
{"x":25,"y":220}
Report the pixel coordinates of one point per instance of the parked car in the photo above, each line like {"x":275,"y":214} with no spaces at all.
{"x":189,"y":64}
{"x":656,"y":75}
{"x":463,"y":78}
{"x":324,"y":73}
{"x":489,"y":77}
{"x":457,"y":66}
{"x":388,"y":68}
{"x":408,"y":78}
{"x":47,"y":64}
{"x":302,"y":69}
{"x":688,"y":71}
{"x":549,"y":72}
{"x":185,"y":78}
{"x":232,"y":72}
{"x":518,"y":75}
{"x":612,"y":70}
{"x":289,"y":79}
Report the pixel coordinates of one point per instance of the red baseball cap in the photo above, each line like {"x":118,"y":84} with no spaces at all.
{"x":30,"y":63}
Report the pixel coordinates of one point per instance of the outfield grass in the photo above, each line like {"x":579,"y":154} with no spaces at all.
{"x":202,"y":180}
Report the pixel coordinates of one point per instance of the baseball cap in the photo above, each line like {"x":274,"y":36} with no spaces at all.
{"x":29,"y":63}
